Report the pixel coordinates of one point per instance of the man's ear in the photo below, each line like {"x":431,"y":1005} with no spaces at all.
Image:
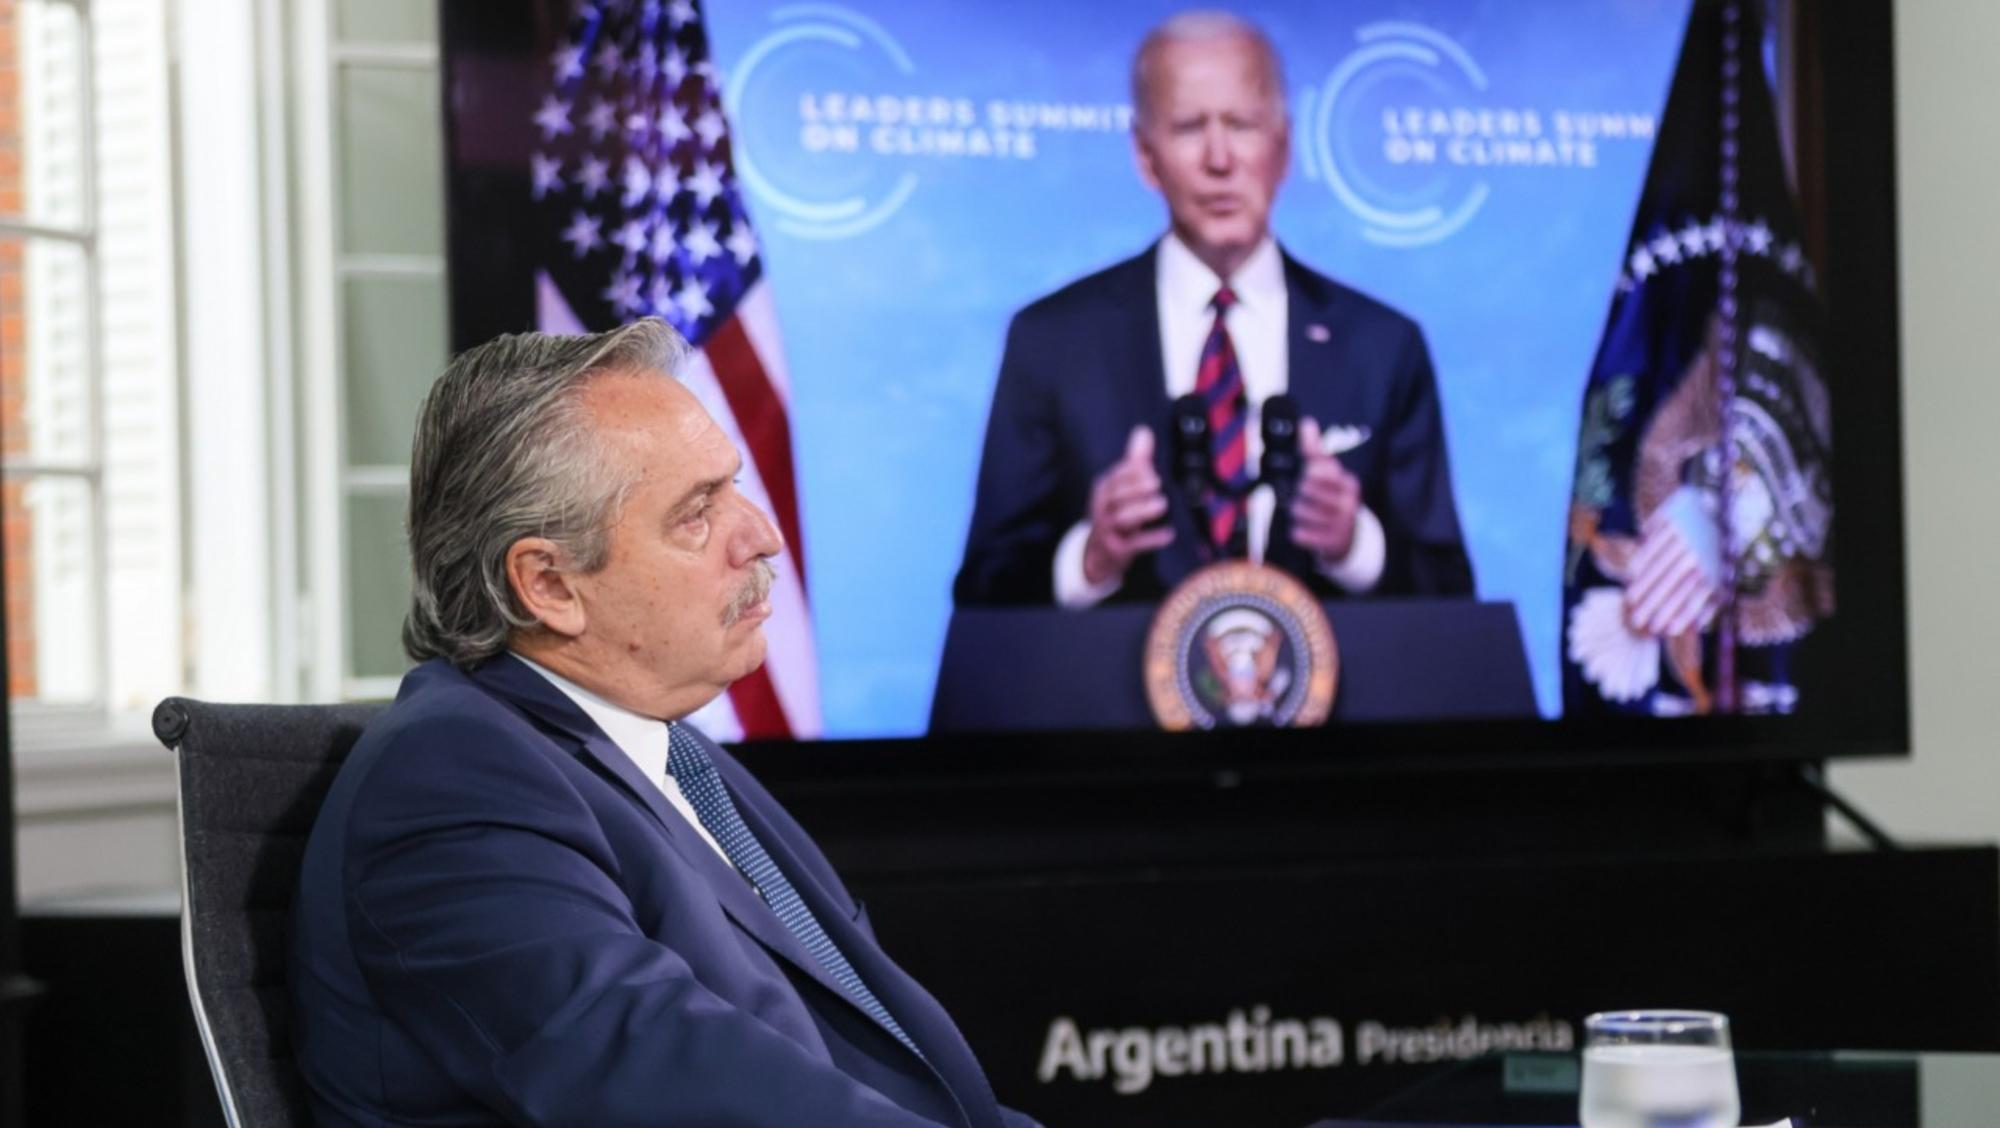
{"x":537,"y":571}
{"x":1284,"y":143}
{"x":1142,"y":155}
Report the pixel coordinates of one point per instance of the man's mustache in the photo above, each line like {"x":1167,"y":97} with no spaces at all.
{"x":755,"y":590}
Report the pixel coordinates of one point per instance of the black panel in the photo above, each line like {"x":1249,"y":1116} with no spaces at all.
{"x":1803,"y":950}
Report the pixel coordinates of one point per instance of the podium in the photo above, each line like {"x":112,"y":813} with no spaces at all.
{"x":1010,"y":669}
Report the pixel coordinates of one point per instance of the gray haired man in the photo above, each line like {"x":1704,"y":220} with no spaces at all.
{"x":533,"y":895}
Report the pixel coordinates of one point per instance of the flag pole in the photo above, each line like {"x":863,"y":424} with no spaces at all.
{"x":1727,"y":352}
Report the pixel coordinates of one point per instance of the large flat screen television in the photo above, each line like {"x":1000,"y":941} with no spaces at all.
{"x":1593,"y":304}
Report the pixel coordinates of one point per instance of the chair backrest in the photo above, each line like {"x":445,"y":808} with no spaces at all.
{"x":252,"y":778}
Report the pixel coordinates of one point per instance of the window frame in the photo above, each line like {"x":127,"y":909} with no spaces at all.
{"x":63,"y":719}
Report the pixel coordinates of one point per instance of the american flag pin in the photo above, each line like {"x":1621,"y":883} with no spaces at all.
{"x":1318,"y":334}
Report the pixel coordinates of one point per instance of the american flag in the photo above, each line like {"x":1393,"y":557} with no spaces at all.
{"x":641,"y":215}
{"x":1701,"y":522}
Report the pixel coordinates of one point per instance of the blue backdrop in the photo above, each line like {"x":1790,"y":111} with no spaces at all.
{"x":919,"y":171}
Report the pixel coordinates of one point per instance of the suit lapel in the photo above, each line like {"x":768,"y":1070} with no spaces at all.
{"x":535,"y":695}
{"x":920,"y":1015}
{"x":1313,"y":341}
{"x":1313,"y":345}
{"x":1145,"y":388}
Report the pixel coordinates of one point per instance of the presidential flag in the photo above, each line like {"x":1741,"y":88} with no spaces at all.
{"x":639,"y":214}
{"x":1701,"y":521}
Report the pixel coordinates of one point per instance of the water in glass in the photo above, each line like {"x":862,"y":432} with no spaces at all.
{"x":1658,"y":1086}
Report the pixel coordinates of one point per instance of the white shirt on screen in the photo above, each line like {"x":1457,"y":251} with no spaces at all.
{"x":1259,"y":324}
{"x":643,"y":739}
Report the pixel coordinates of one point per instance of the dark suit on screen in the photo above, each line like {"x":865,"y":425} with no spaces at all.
{"x":1082,"y":367}
{"x":501,"y":921}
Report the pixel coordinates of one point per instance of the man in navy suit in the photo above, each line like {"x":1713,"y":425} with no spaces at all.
{"x":534,"y":896}
{"x":1072,"y":506}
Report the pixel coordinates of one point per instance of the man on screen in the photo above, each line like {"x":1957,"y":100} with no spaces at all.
{"x":1077,"y":502}
{"x":535,"y":896}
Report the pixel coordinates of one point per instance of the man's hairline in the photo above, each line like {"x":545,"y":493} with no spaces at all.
{"x":1160,"y":38}
{"x":617,"y":515}
{"x":589,"y":417}
{"x":574,"y":402}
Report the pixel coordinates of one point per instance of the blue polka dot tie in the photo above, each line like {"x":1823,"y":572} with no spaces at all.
{"x":689,"y":764}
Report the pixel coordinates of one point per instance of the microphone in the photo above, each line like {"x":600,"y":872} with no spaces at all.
{"x":1190,"y":458}
{"x":1191,"y":461}
{"x":1282,"y":462}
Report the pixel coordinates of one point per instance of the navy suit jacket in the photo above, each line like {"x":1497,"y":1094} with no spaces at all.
{"x":501,"y":921}
{"x":1082,"y":367}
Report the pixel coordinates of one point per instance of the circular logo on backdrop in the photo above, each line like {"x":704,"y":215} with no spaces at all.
{"x":1411,"y":135}
{"x":1240,"y":645}
{"x":836,"y":124}
{"x":1400,"y":201}
{"x":835,"y":47}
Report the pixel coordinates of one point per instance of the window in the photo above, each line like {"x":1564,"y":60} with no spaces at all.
{"x":372,"y":142}
{"x":88,"y":357}
{"x":221,"y":299}
{"x":90,"y":498}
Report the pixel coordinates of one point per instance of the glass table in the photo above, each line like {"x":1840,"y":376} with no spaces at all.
{"x":1816,"y":1090}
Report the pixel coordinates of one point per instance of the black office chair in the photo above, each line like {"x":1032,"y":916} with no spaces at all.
{"x":252,"y":778}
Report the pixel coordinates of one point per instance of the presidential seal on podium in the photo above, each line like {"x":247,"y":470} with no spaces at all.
{"x":1238,"y":645}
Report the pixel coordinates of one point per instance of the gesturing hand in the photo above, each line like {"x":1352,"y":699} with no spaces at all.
{"x":1124,"y":501}
{"x":1328,"y":500}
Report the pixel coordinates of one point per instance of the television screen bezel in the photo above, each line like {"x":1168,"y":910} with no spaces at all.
{"x":1843,"y":73}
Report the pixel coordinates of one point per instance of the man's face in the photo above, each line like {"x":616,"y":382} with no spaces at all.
{"x":676,"y":614}
{"x":1214,"y":142}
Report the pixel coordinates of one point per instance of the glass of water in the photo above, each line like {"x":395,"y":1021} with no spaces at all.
{"x":1658,"y":1069}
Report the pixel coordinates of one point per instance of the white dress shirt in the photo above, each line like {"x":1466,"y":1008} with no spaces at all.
{"x":643,"y":739}
{"x":1259,"y":329}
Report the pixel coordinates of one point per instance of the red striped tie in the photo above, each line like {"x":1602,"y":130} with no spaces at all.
{"x":1220,"y":385}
